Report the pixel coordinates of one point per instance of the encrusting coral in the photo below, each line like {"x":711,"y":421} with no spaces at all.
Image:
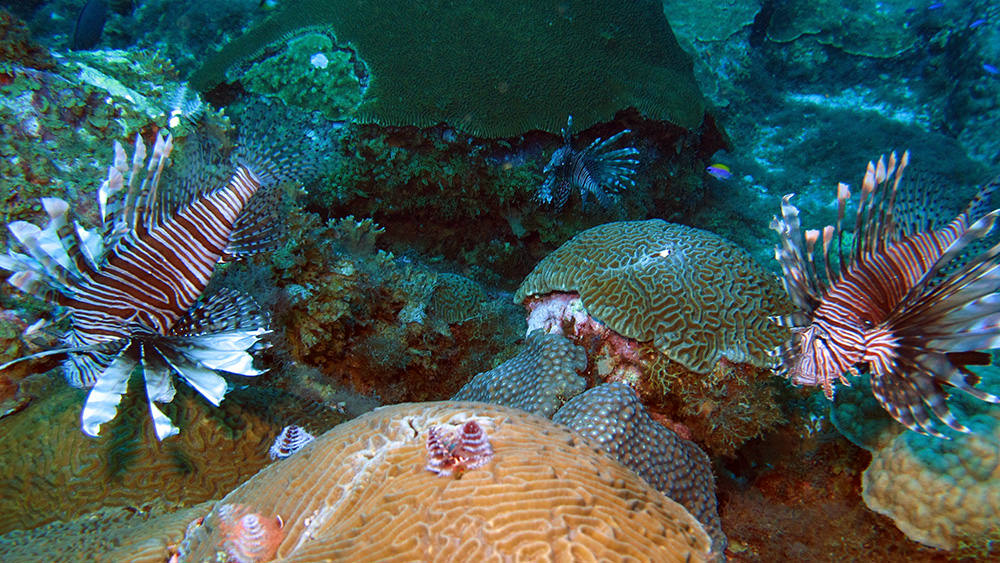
{"x":539,"y":379}
{"x":545,"y":494}
{"x":592,"y":62}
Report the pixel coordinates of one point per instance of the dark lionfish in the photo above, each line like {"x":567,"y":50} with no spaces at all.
{"x":131,"y":287}
{"x":597,"y":170}
{"x":914,"y":303}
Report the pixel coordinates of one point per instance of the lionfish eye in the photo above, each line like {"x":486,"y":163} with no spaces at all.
{"x":867,"y":324}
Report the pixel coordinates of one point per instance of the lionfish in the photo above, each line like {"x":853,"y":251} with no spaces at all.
{"x":597,"y":170}
{"x":915,"y":304}
{"x":131,"y":287}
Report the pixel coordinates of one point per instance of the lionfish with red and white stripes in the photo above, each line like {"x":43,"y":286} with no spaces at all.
{"x":915,"y":304}
{"x":132,"y":287}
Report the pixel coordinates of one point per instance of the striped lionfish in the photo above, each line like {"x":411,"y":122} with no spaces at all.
{"x":131,"y":287}
{"x":916,"y":304}
{"x":596,"y":170}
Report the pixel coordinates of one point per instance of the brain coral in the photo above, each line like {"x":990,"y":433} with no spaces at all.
{"x":696,"y":296}
{"x":45,"y":455}
{"x":612,"y":415}
{"x":493,"y":69}
{"x":539,"y":379}
{"x":110,"y":534}
{"x":362,"y":492}
{"x":943,"y":493}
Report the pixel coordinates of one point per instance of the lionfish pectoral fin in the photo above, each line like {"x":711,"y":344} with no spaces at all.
{"x":257,"y":228}
{"x":159,"y":389}
{"x":41,"y":355}
{"x":204,"y":380}
{"x":102,"y":402}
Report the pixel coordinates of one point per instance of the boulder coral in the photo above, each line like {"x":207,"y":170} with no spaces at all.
{"x":362,"y":492}
{"x":944,"y":493}
{"x":492,"y":69}
{"x":694,"y":295}
{"x":539,"y":379}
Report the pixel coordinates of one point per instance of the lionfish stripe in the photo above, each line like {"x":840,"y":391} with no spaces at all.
{"x":102,"y":401}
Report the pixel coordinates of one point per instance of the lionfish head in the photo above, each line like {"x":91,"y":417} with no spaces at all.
{"x":813,"y":357}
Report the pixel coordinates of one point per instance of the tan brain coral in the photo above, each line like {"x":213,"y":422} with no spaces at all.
{"x":362,"y":492}
{"x":45,"y":454}
{"x":694,"y":295}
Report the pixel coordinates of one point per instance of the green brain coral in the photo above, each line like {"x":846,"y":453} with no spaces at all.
{"x":492,"y":69}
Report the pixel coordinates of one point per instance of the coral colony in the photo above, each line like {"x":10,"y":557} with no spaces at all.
{"x":451,"y":454}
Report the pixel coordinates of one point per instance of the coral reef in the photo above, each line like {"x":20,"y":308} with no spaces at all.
{"x":612,"y":416}
{"x":361,"y":315}
{"x":942,"y":493}
{"x":539,"y":379}
{"x":588,"y":61}
{"x":311,"y":73}
{"x":219,"y":448}
{"x":56,"y":122}
{"x":546,"y":493}
{"x":18,"y":47}
{"x":871,"y":29}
